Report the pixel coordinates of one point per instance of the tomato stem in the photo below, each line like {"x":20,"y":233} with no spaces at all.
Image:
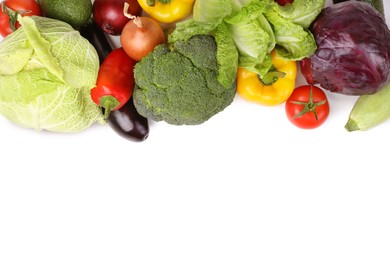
{"x":13,"y":15}
{"x":309,"y":106}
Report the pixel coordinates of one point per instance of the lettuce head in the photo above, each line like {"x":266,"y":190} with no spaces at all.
{"x":46,"y":74}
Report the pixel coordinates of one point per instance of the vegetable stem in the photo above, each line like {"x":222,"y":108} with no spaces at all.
{"x":272,"y":76}
{"x":13,"y":15}
{"x":136,"y":19}
{"x":151,"y":2}
{"x":138,"y":22}
{"x":126,"y":11}
{"x":351,"y":125}
{"x":108,"y":103}
{"x":309,"y":106}
{"x":165,"y":1}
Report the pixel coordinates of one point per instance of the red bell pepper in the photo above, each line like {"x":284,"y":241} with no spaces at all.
{"x":115,"y":81}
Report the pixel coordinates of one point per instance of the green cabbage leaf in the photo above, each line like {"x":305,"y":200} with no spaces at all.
{"x":46,"y":74}
{"x":253,"y":36}
{"x":211,"y":10}
{"x":293,"y":42}
{"x":227,"y":56}
{"x":302,"y":12}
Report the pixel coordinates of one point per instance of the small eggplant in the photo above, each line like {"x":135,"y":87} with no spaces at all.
{"x":128,"y":123}
{"x":97,"y":37}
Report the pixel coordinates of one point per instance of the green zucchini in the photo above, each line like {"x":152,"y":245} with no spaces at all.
{"x":377,"y":4}
{"x":370,"y":110}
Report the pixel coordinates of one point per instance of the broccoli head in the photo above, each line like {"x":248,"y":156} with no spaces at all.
{"x":179,"y":84}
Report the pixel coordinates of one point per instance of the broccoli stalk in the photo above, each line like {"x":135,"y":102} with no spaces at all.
{"x":179,"y":85}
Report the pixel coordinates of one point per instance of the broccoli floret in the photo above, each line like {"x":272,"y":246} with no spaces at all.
{"x":195,"y":50}
{"x":179,"y":85}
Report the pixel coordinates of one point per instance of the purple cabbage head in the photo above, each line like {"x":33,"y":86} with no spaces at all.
{"x":353,"y":49}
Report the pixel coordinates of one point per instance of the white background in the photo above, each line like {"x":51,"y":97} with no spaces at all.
{"x":244,"y":185}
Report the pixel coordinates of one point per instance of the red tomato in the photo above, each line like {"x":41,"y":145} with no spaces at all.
{"x":8,"y":16}
{"x":284,"y":2}
{"x":307,"y":107}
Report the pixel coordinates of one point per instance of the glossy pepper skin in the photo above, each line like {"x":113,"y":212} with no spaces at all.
{"x":115,"y":81}
{"x":278,"y":90}
{"x":167,"y":11}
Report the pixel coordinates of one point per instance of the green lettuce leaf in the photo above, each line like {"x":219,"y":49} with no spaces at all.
{"x":301,"y":12}
{"x":293,"y":42}
{"x":211,"y":10}
{"x":186,"y":29}
{"x":253,"y":65}
{"x":252,"y":35}
{"x":227,"y":56}
{"x":238,"y":4}
{"x":46,"y":75}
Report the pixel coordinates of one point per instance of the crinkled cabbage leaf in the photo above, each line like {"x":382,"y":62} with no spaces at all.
{"x":227,"y":56}
{"x":46,"y":73}
{"x":293,"y":42}
{"x":253,"y":36}
{"x":301,"y":12}
{"x":211,"y":10}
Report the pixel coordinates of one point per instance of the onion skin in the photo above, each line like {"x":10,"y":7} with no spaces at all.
{"x":140,"y":36}
{"x":109,"y":14}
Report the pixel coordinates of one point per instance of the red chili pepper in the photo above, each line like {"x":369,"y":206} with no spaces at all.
{"x":115,"y":81}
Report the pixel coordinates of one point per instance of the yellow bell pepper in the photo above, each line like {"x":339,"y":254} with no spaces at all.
{"x":167,"y":11}
{"x":274,"y":88}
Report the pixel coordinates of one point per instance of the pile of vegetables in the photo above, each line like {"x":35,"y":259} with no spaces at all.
{"x":247,"y":31}
{"x":182,"y":62}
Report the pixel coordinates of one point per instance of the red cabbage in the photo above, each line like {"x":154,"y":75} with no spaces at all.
{"x":353,"y":49}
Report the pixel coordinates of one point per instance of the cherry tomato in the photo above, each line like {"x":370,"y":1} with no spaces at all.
{"x":9,"y":10}
{"x":284,"y":2}
{"x":307,"y":107}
